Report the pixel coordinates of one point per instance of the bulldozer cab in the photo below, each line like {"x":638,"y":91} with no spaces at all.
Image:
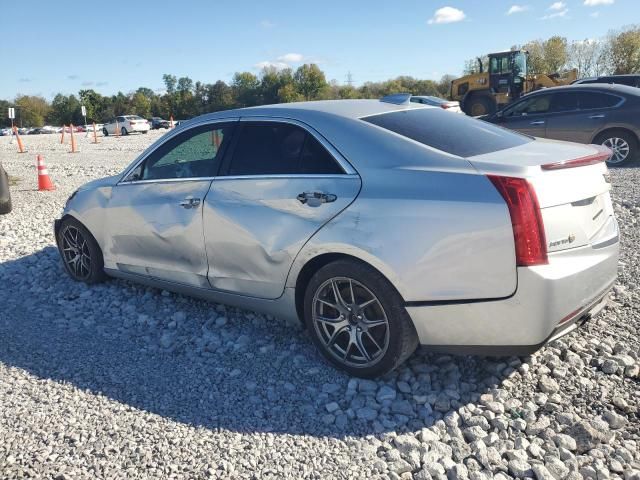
{"x":508,"y":72}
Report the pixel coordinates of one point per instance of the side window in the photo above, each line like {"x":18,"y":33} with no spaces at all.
{"x":530,"y":106}
{"x":279,"y":148}
{"x":192,"y":154}
{"x":316,"y":160}
{"x":564,"y":102}
{"x":591,"y":100}
{"x":120,"y":119}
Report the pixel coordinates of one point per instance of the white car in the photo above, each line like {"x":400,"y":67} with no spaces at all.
{"x":448,"y":105}
{"x":126,"y":124}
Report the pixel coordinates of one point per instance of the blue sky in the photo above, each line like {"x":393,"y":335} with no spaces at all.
{"x":67,"y":46}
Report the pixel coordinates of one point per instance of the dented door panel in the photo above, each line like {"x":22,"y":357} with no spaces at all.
{"x":255,"y":227}
{"x":157,"y":230}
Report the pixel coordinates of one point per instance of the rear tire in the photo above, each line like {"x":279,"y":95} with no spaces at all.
{"x":479,"y":105}
{"x":124,"y":131}
{"x":623,"y":144}
{"x":5,"y":193}
{"x":80,"y":252}
{"x":370,"y":317}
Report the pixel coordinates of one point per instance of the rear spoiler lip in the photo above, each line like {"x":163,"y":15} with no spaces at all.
{"x":603,"y":154}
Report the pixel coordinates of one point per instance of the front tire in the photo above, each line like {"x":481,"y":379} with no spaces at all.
{"x":479,"y":105}
{"x":81,"y":254}
{"x":357,"y":319}
{"x":623,"y":145}
{"x":104,"y":132}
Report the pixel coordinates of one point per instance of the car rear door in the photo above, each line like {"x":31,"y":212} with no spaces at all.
{"x":154,"y":215}
{"x":282,"y":183}
{"x":577,"y":116}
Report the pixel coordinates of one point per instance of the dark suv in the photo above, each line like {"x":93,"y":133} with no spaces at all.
{"x":604,"y":114}
{"x":630,"y":80}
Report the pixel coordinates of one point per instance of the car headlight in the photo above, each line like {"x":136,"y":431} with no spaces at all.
{"x":70,"y":198}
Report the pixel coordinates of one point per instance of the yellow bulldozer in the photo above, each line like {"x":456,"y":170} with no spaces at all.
{"x":507,"y":80}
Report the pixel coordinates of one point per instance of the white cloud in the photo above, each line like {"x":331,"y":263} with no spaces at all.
{"x":595,"y":3}
{"x":594,"y":14}
{"x":560,"y":14}
{"x":268,"y":64}
{"x":266,"y":23}
{"x":447,"y":15}
{"x":291,"y":58}
{"x":517,"y":9}
{"x":559,"y":10}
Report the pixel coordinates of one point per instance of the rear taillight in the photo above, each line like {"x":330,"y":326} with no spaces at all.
{"x":445,"y":106}
{"x":602,"y":156}
{"x":526,"y":219}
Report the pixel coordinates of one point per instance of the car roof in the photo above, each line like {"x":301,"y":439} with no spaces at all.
{"x":351,"y":109}
{"x":603,"y":87}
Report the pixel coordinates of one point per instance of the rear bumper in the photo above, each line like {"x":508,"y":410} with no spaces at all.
{"x":550,"y":301}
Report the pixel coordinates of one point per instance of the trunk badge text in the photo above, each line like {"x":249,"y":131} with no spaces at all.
{"x":562,"y":241}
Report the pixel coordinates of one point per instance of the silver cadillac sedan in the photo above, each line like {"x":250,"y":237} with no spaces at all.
{"x":380,"y":225}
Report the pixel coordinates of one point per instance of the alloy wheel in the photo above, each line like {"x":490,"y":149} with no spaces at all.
{"x":350,"y":322}
{"x":76,"y":253}
{"x":619,"y":147}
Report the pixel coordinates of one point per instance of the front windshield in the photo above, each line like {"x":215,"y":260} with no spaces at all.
{"x":520,"y":64}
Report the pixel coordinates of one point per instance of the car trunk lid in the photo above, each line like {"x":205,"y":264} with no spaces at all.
{"x":571,"y":185}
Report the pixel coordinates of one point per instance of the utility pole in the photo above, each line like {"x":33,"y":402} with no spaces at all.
{"x":349,"y":79}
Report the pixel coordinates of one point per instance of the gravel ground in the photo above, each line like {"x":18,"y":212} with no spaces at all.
{"x":120,"y":380}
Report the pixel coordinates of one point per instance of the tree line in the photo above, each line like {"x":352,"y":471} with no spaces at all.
{"x":183,"y":98}
{"x":618,"y":53}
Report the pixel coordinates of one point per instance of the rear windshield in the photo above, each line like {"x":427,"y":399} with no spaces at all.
{"x":449,"y":132}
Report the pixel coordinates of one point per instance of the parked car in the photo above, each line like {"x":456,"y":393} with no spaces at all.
{"x":157,"y":123}
{"x":380,"y":226}
{"x":603,"y":114}
{"x":98,"y":127}
{"x":5,"y":193}
{"x":126,"y":124}
{"x":449,"y":105}
{"x":631,"y":80}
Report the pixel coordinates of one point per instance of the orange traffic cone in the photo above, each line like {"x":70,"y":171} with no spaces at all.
{"x":117,"y":129}
{"x":62,"y":135}
{"x":74,"y":148}
{"x":95,"y":133}
{"x":44,"y":181}
{"x":171,"y":121}
{"x":20,"y":144}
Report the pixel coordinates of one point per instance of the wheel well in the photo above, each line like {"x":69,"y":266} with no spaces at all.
{"x":617,"y":129}
{"x":310,"y":268}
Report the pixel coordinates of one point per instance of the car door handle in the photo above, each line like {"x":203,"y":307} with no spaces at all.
{"x":314,"y":199}
{"x":537,"y":122}
{"x":600,"y":115}
{"x":190,"y":202}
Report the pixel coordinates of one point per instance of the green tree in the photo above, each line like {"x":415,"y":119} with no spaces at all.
{"x":246,"y":89}
{"x":309,"y":80}
{"x":65,"y":110}
{"x":141,"y":105}
{"x":31,"y":110}
{"x":555,"y":54}
{"x":623,"y":51}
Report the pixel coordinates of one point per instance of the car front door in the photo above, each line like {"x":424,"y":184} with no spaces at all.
{"x":578,"y":116}
{"x":529,"y":115}
{"x":154,"y":215}
{"x":282,"y":183}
